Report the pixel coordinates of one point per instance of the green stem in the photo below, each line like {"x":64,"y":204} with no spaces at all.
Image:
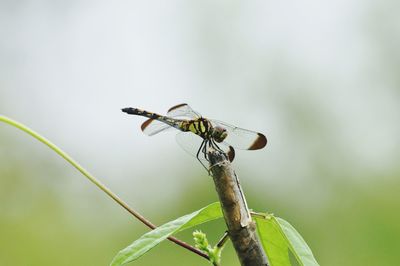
{"x":95,"y":181}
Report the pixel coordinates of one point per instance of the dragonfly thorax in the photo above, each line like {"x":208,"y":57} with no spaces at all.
{"x":205,"y":129}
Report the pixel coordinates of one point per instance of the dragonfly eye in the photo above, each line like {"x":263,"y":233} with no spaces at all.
{"x":219,"y":134}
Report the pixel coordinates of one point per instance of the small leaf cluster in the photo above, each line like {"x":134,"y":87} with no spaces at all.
{"x":201,"y":242}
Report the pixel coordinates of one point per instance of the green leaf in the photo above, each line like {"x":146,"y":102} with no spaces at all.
{"x":273,"y":241}
{"x":154,"y":237}
{"x":279,"y":238}
{"x":298,"y":245}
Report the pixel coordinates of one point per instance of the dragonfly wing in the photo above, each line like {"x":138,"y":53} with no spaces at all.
{"x":183,"y":111}
{"x":191,"y":143}
{"x":151,"y":127}
{"x":241,"y":138}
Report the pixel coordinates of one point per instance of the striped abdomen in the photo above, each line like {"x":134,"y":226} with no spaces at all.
{"x":176,"y":123}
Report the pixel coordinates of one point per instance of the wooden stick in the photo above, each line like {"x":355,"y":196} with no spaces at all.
{"x":241,"y":228}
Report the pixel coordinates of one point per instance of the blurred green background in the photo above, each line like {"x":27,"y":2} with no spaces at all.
{"x":320,"y":79}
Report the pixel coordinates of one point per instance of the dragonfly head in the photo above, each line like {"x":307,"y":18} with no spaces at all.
{"x":219,"y":134}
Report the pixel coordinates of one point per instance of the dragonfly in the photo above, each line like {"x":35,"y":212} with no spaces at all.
{"x":194,"y":128}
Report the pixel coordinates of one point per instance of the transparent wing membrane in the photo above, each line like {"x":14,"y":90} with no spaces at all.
{"x":151,"y":127}
{"x":191,"y":143}
{"x":241,"y":138}
{"x":182,"y":111}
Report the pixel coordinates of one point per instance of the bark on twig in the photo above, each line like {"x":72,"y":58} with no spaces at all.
{"x":241,"y":228}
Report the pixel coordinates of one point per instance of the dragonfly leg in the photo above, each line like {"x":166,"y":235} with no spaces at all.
{"x":215,"y":146}
{"x":204,"y":150}
{"x":207,"y":144}
{"x":201,"y":149}
{"x":205,"y":153}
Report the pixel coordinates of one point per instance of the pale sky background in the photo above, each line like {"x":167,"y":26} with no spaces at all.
{"x":319,"y":78}
{"x":310,"y":75}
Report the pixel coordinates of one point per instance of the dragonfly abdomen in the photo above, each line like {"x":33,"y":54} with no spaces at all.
{"x":136,"y":111}
{"x":176,"y":123}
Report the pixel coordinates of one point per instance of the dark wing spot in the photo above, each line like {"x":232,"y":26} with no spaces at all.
{"x":146,"y":123}
{"x":231,"y":153}
{"x":176,"y":107}
{"x":259,"y":143}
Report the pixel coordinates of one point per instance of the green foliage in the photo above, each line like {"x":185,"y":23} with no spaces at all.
{"x":154,"y":237}
{"x":279,"y":238}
